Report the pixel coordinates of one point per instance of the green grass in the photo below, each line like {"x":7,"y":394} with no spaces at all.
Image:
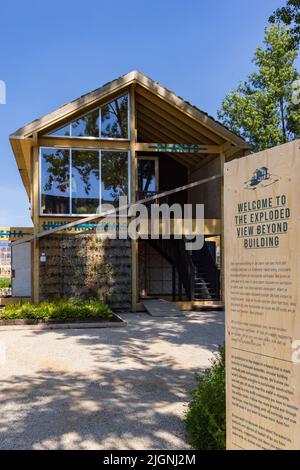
{"x":5,"y":282}
{"x":206,"y":415}
{"x":58,"y":310}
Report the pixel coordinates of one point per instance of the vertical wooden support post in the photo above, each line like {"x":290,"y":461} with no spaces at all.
{"x":35,"y":289}
{"x":133,"y":187}
{"x":222,"y":162}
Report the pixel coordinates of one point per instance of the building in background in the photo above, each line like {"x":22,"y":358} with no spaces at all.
{"x":5,"y":258}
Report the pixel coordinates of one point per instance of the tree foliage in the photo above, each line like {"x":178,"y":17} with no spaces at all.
{"x":289,"y":15}
{"x":261,"y":108}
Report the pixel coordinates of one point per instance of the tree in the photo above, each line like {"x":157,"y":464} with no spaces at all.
{"x":290,"y":16}
{"x":261,"y":109}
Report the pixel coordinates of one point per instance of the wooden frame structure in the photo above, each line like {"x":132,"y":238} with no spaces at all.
{"x":161,"y":123}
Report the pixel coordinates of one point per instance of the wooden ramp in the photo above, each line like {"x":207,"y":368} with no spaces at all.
{"x":162,"y":308}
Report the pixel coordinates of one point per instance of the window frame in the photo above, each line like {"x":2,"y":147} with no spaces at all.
{"x":40,"y":182}
{"x":124,"y":139}
{"x":128,"y":119}
{"x":99,"y":150}
{"x":156,"y":168}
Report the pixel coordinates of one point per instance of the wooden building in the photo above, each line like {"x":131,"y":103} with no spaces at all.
{"x":131,"y":136}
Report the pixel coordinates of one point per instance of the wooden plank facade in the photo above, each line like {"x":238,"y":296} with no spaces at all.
{"x":150,"y":128}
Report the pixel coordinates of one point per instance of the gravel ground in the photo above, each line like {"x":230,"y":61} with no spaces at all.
{"x":120,"y":388}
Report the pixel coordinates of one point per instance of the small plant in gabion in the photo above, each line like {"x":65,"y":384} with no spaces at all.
{"x":5,"y":282}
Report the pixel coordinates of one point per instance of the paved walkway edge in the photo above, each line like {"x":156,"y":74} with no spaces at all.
{"x":71,"y":325}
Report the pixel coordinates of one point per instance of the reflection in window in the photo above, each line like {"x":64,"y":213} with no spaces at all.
{"x":114,"y":119}
{"x":70,"y":180}
{"x":86,"y":126}
{"x":85,"y":181}
{"x":55,"y":176}
{"x":114,"y":172}
{"x":146,"y":176}
{"x":62,"y":131}
{"x":114,"y":122}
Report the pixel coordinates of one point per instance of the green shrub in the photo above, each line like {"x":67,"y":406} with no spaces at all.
{"x":205,"y":418}
{"x":5,"y":282}
{"x":59,"y":310}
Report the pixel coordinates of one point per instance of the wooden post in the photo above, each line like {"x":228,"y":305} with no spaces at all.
{"x":133,"y":188}
{"x":222,"y":163}
{"x":35,"y":245}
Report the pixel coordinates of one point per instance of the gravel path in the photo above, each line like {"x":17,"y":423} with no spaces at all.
{"x":120,"y":388}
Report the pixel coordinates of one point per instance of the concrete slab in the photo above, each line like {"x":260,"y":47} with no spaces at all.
{"x":161,"y":308}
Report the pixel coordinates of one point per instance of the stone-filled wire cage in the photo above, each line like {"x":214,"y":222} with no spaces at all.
{"x":86,"y":267}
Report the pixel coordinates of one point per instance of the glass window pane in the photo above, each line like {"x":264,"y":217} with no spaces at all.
{"x":55,"y":177}
{"x":114,"y":168}
{"x":61,"y":132}
{"x":85,"y":181}
{"x":146,"y":176}
{"x":87,"y":126}
{"x":114,"y":119}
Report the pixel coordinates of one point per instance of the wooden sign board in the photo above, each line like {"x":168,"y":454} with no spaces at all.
{"x":262,"y":296}
{"x":14,"y":233}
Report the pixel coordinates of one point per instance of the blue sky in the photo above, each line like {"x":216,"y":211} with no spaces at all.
{"x":54,"y":51}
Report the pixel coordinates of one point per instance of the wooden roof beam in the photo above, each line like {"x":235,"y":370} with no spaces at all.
{"x":84,"y":143}
{"x":161,"y":124}
{"x":182,"y":117}
{"x":173,"y":135}
{"x":195,"y":114}
{"x":150,"y":109}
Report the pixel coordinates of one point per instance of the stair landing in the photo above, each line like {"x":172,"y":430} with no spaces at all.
{"x":162,"y":308}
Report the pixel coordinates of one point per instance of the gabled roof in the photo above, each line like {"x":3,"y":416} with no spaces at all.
{"x":23,"y":139}
{"x":67,"y":110}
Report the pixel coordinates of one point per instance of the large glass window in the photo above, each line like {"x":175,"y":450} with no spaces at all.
{"x":113,"y":117}
{"x":55,"y":181}
{"x":78,"y":181}
{"x":85,"y":181}
{"x":114,"y":174}
{"x":147,"y":175}
{"x":87,"y":126}
{"x":62,"y":132}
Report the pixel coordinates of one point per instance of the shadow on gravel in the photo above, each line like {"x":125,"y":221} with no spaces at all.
{"x":126,"y":401}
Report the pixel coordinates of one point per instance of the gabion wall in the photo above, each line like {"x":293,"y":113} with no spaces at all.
{"x":85,"y":266}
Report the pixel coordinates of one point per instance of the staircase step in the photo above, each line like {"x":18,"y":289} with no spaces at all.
{"x":203,"y":289}
{"x":205,"y":297}
{"x":203,"y":294}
